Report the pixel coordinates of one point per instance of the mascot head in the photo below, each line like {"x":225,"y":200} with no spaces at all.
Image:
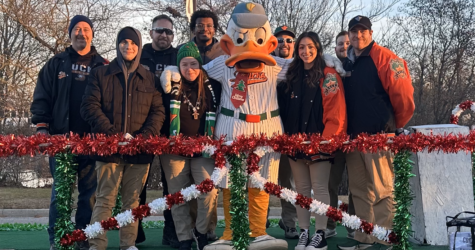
{"x":248,"y":39}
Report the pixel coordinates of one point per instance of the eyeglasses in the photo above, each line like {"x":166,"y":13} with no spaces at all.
{"x":201,"y":26}
{"x":287,"y":40}
{"x":160,"y":30}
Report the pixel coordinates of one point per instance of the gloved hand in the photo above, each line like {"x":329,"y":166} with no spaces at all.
{"x":334,"y":62}
{"x":169,"y":74}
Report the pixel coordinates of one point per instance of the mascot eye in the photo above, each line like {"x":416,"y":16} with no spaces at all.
{"x":260,"y":36}
{"x":239,"y":38}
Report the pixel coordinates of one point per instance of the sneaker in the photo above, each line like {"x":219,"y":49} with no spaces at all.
{"x":185,"y":245}
{"x":212,"y":235}
{"x":330,"y":233}
{"x":169,"y":236}
{"x":350,"y":235}
{"x":290,"y":232}
{"x":303,"y":240}
{"x":378,"y":246}
{"x":82,"y":245}
{"x":200,"y":239}
{"x":351,"y":244}
{"x":318,"y":241}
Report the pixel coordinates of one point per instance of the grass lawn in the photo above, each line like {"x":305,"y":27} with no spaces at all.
{"x":37,"y":198}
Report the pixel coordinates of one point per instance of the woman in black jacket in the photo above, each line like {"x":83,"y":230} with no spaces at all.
{"x":311,"y":101}
{"x":193,"y":104}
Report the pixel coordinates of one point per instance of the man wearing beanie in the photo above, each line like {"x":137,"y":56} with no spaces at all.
{"x":155,"y":57}
{"x":121,"y":98}
{"x":55,"y":109}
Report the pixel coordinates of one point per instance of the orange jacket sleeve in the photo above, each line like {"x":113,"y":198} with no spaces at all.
{"x":333,"y":101}
{"x":397,"y":83}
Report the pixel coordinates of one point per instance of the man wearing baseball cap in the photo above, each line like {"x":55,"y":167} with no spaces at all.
{"x":56,"y":103}
{"x":286,"y":38}
{"x":379,"y":99}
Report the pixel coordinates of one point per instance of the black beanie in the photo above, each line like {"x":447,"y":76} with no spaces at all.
{"x":79,"y":18}
{"x":128,"y":33}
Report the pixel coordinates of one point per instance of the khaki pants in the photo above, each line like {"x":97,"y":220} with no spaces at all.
{"x":179,"y":171}
{"x":109,"y":177}
{"x":372,"y":183}
{"x":311,"y":175}
{"x":286,"y":180}
{"x":336,"y":174}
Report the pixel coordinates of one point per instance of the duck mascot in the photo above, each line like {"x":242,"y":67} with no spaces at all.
{"x":249,"y":77}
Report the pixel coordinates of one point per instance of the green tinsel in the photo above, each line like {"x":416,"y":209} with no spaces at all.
{"x":403,"y":198}
{"x":118,"y":204}
{"x":239,"y":204}
{"x":65,"y":177}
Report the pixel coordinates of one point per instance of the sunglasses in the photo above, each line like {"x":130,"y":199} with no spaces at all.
{"x":160,"y":30}
{"x":287,"y":40}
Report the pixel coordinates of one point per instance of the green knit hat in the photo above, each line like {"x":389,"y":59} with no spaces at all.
{"x":189,"y":49}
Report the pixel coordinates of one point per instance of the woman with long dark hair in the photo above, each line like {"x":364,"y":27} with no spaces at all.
{"x":312,"y":100}
{"x":192,"y":106}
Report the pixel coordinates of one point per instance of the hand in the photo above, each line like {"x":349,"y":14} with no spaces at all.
{"x":215,"y":51}
{"x":169,"y":74}
{"x":334,"y":62}
{"x":175,"y":88}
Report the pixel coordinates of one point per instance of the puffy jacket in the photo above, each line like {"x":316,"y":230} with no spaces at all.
{"x":103,"y":105}
{"x":51,"y":96}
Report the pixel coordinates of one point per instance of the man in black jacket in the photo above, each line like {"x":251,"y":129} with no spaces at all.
{"x":155,"y":57}
{"x":122,"y":98}
{"x":55,"y":108}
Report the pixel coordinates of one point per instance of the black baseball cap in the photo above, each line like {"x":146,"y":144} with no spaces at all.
{"x":359,"y":20}
{"x":284,"y":29}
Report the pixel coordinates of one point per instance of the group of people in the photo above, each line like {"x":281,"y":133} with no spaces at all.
{"x":79,"y":91}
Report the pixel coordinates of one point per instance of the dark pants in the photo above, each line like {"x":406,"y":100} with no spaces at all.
{"x":87,"y":183}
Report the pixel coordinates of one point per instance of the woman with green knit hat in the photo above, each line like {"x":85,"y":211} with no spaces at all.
{"x":192,"y":112}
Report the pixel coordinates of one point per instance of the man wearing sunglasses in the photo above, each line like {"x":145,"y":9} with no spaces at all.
{"x":285,"y":38}
{"x":155,"y":57}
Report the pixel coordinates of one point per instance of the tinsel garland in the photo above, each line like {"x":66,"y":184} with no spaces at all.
{"x":239,"y":207}
{"x":65,"y":177}
{"x":403,"y":198}
{"x":473,"y":172}
{"x":458,"y":110}
{"x":118,"y":203}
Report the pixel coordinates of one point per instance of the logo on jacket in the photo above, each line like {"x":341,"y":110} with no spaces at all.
{"x":397,"y":66}
{"x":61,"y":75}
{"x":330,"y":84}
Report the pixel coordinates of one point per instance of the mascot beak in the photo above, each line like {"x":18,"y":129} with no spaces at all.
{"x":250,"y":57}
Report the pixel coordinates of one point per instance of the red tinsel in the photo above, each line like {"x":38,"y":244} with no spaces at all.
{"x":252,"y":163}
{"x":273,"y":189}
{"x":205,"y":186}
{"x":393,"y":239}
{"x":172,"y":199}
{"x":303,"y":201}
{"x":334,"y":213}
{"x":78,"y":235}
{"x":141,"y":211}
{"x":109,"y":224}
{"x":343,"y":207}
{"x":466,"y":105}
{"x":66,"y":240}
{"x":366,"y":227}
{"x":454,"y":119}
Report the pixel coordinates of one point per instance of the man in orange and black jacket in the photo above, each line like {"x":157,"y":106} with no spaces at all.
{"x":379,"y":99}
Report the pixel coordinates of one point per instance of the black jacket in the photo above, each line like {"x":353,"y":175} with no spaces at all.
{"x":203,"y":50}
{"x":103,"y":106}
{"x":155,"y":61}
{"x":51,"y":96}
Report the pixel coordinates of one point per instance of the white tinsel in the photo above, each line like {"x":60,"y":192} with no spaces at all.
{"x":318,"y":207}
{"x":124,"y":218}
{"x":94,"y":230}
{"x":289,"y":195}
{"x":257,"y":180}
{"x":209,"y":149}
{"x":262,"y":150}
{"x":158,"y":205}
{"x":218,"y":175}
{"x":457,"y":111}
{"x":190,"y":193}
{"x":473,"y":107}
{"x":351,"y":221}
{"x":381,"y":233}
{"x":339,"y":203}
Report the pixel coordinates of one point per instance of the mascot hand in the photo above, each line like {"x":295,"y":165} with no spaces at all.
{"x":175,"y":88}
{"x":215,"y":51}
{"x":169,"y":74}
{"x":334,"y":62}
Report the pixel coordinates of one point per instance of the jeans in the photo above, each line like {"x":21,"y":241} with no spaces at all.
{"x":87,"y":183}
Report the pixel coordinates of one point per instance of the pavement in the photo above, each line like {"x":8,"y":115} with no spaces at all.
{"x":41,"y":215}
